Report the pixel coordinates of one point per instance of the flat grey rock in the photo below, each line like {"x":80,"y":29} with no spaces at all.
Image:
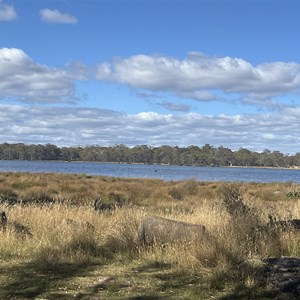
{"x":284,"y":273}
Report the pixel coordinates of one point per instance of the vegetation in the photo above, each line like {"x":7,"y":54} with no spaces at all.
{"x":77,"y":253}
{"x":192,"y":155}
{"x":294,"y":194}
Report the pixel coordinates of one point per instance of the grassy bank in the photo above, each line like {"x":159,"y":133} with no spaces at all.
{"x":77,"y":253}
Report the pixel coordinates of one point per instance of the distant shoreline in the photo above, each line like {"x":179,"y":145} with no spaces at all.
{"x":155,"y":164}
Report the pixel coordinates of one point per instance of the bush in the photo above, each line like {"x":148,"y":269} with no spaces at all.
{"x":293,"y":195}
{"x":8,"y":196}
{"x":38,"y":196}
{"x":233,"y":200}
{"x":175,"y":194}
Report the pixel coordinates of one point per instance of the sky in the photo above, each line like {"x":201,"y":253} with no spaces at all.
{"x":160,"y":72}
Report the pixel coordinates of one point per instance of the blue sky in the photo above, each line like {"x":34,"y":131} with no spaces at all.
{"x":151,"y":72}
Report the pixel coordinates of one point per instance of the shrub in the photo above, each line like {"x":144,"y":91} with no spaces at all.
{"x":38,"y":196}
{"x":175,"y":194}
{"x":233,"y":200}
{"x":293,"y":195}
{"x":8,"y":196}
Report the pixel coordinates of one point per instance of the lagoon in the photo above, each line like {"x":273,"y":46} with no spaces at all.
{"x":164,"y":172}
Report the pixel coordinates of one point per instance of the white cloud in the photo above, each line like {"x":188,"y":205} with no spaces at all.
{"x":25,"y":80}
{"x":82,"y":126}
{"x":7,"y":12}
{"x":55,"y":16}
{"x":199,"y":76}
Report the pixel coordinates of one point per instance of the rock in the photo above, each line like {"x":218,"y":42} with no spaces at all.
{"x":284,"y":274}
{"x":157,"y":230}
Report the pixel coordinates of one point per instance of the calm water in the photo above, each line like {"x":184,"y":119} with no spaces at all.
{"x":154,"y":171}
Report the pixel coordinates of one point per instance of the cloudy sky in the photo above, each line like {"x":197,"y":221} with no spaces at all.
{"x":160,"y":72}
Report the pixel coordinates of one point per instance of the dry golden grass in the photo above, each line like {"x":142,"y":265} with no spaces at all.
{"x":67,"y":231}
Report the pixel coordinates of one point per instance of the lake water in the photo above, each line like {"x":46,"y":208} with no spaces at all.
{"x":154,"y":171}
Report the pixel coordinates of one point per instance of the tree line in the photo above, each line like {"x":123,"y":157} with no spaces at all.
{"x":206,"y":155}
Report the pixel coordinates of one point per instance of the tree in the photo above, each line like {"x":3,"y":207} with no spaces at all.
{"x":163,"y":154}
{"x":224,"y":156}
{"x":297,"y":159}
{"x":208,"y":155}
{"x":265,"y":159}
{"x":244,"y":157}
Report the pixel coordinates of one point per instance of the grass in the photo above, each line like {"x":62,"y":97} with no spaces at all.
{"x":77,"y":253}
